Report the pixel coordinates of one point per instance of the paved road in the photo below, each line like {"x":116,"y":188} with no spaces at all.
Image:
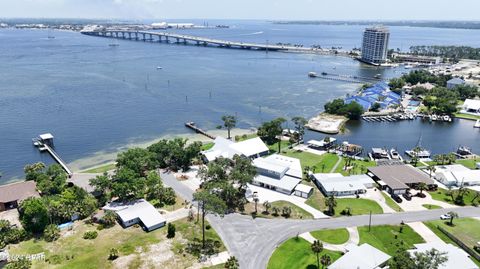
{"x":253,"y":241}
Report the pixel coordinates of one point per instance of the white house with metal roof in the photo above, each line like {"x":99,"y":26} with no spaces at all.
{"x":457,"y":175}
{"x":137,"y":212}
{"x":250,"y":148}
{"x":457,"y":258}
{"x":361,"y":257}
{"x":471,"y":106}
{"x":282,"y":174}
{"x":338,"y":185}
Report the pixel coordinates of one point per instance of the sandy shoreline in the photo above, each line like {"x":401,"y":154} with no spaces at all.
{"x":104,"y":157}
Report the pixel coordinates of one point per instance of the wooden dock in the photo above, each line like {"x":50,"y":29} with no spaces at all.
{"x":57,"y":158}
{"x":191,"y":125}
{"x":44,"y":143}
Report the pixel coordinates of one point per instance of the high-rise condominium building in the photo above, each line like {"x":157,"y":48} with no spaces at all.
{"x":375,"y":44}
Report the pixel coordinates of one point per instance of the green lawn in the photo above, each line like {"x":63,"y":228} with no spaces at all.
{"x":383,"y":237}
{"x":358,"y":206}
{"x":358,"y":167}
{"x":466,"y":116}
{"x":429,"y":206}
{"x":207,"y":146}
{"x":297,"y":212}
{"x":392,"y":204}
{"x":465,"y":229}
{"x":318,"y":163}
{"x":335,"y":236}
{"x":316,"y":200}
{"x":297,"y":253}
{"x":73,"y":251}
{"x":441,"y":195}
{"x":472,"y":164}
{"x":101,"y":169}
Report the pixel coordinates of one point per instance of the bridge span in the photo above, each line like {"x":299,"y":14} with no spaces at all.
{"x":202,"y":41}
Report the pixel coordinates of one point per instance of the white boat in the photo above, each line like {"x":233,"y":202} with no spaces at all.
{"x":477,"y":124}
{"x":410,"y":116}
{"x":447,"y":118}
{"x":395,"y":155}
{"x":159,"y":67}
{"x":421,"y":153}
{"x":312,"y":74}
{"x":434,"y":117}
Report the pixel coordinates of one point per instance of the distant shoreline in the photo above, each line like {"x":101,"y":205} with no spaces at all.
{"x":467,"y":25}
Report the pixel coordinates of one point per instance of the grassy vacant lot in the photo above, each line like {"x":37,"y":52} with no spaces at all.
{"x":297,"y":253}
{"x":386,"y":237}
{"x":134,"y":245}
{"x":392,"y":204}
{"x":316,"y":200}
{"x":465,"y":229}
{"x":358,"y":206}
{"x":318,"y":163}
{"x":335,"y":236}
{"x":358,"y":167}
{"x":297,"y":212}
{"x":441,"y":195}
{"x":466,"y":116}
{"x":101,"y":169}
{"x":429,"y":206}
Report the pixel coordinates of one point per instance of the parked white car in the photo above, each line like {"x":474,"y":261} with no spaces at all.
{"x":445,"y":217}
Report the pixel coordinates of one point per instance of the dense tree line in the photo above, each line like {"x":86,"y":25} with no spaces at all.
{"x":352,"y":111}
{"x":451,"y":52}
{"x":423,"y":76}
{"x":59,"y":202}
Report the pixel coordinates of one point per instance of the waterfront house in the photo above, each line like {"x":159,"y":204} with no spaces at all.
{"x":457,"y":175}
{"x":282,"y":174}
{"x":456,"y":257}
{"x":250,"y":148}
{"x":397,"y":179}
{"x":12,"y":194}
{"x":361,"y":257}
{"x":137,"y":212}
{"x":338,"y":185}
{"x":471,"y":106}
{"x":454,"y":82}
{"x":324,"y":144}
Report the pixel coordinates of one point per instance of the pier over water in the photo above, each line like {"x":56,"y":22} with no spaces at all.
{"x":166,"y":37}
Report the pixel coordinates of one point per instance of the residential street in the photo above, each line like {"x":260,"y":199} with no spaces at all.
{"x":253,"y":241}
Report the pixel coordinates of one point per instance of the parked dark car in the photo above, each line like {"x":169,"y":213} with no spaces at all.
{"x":396,"y":198}
{"x":407,"y":196}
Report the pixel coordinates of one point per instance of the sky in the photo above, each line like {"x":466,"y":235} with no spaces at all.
{"x":244,"y":9}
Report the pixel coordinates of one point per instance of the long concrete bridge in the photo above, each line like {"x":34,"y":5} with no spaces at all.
{"x":167,"y":37}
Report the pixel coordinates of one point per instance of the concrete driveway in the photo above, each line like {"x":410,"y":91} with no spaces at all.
{"x":416,"y":203}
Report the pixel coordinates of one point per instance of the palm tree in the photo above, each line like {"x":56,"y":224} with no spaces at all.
{"x":232,"y":263}
{"x":331,"y":203}
{"x":422,"y":186}
{"x":431,"y":169}
{"x":325,"y":260}
{"x":452,"y":216}
{"x":229,"y":122}
{"x":267,"y":206}
{"x":317,"y":247}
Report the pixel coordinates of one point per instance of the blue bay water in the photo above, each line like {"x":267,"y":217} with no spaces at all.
{"x":94,"y":97}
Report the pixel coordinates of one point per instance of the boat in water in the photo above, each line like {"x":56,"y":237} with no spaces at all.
{"x":379,"y":154}
{"x":395,"y":155}
{"x":159,"y":68}
{"x":418,"y":151}
{"x":477,"y":124}
{"x":463,"y":151}
{"x":312,"y":74}
{"x":113,"y":45}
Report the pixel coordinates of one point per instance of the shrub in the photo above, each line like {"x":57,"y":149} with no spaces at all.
{"x":51,"y":233}
{"x":170,"y":230}
{"x":90,"y":235}
{"x":109,"y":219}
{"x":21,"y":263}
{"x":55,"y":259}
{"x":113,"y":254}
{"x":208,"y":227}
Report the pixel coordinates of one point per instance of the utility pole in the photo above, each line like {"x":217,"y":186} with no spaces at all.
{"x":370,"y":221}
